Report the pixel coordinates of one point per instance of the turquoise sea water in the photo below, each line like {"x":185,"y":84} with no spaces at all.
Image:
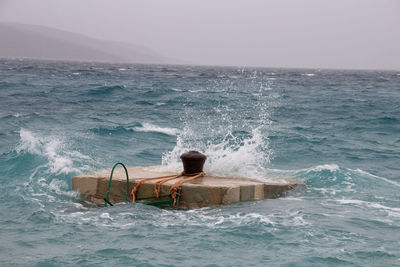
{"x":338,"y":131}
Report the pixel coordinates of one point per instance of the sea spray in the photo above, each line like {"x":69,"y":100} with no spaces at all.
{"x":234,"y":145}
{"x":230,"y":157}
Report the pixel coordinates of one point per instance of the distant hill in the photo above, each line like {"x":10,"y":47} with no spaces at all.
{"x":39,"y":42}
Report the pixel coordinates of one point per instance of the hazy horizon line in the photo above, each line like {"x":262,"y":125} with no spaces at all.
{"x":193,"y":65}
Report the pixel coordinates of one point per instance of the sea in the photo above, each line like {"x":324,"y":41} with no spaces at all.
{"x":337,"y":131}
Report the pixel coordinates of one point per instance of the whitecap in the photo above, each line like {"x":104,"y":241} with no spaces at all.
{"x":290,"y":198}
{"x":148,"y":127}
{"x":197,"y":91}
{"x":319,"y":168}
{"x":202,"y":217}
{"x":395,"y":212}
{"x":378,"y":177}
{"x":106,"y":215}
{"x":60,"y":160}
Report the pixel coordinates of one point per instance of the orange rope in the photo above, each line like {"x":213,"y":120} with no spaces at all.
{"x":135,"y":189}
{"x":177,"y":186}
{"x":157,"y":185}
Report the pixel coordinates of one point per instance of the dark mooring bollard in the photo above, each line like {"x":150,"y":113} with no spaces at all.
{"x":193,"y":162}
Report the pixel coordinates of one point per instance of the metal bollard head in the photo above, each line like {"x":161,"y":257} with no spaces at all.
{"x":193,"y":162}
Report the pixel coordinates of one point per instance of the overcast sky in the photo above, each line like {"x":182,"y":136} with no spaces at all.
{"x":351,"y":34}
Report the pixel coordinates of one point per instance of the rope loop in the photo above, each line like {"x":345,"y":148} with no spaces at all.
{"x":175,"y":190}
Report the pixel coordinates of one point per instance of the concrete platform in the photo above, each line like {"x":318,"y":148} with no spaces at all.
{"x":203,"y":192}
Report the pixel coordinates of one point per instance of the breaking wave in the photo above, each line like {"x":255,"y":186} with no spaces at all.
{"x":232,"y":156}
{"x":59,"y":159}
{"x":148,"y":127}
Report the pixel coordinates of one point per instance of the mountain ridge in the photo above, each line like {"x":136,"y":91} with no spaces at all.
{"x":40,"y":42}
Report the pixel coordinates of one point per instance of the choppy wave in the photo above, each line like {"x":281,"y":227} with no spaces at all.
{"x":334,"y":180}
{"x":148,"y":127}
{"x":346,"y":212}
{"x":392,"y":211}
{"x":104,"y":90}
{"x":378,"y":177}
{"x":60,"y":160}
{"x":140,"y":127}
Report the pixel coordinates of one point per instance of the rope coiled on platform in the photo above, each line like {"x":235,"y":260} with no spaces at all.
{"x":175,"y":188}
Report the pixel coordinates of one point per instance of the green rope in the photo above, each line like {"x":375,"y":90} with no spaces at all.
{"x":109,"y":184}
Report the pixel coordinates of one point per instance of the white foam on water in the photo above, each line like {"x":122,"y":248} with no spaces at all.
{"x":60,"y":160}
{"x":291,"y":198}
{"x":309,"y":74}
{"x":377,"y":177}
{"x":209,"y":217}
{"x":324,"y":167}
{"x":60,"y":187}
{"x":148,"y":127}
{"x":196,"y":90}
{"x":105,"y":215}
{"x":318,"y":168}
{"x":299,"y":221}
{"x":248,"y":218}
{"x":326,"y":191}
{"x":201,"y":217}
{"x":394,"y":212}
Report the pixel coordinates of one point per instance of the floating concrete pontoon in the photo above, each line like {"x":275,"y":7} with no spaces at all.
{"x":205,"y":191}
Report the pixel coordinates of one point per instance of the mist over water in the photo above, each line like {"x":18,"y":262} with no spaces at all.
{"x":337,"y":131}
